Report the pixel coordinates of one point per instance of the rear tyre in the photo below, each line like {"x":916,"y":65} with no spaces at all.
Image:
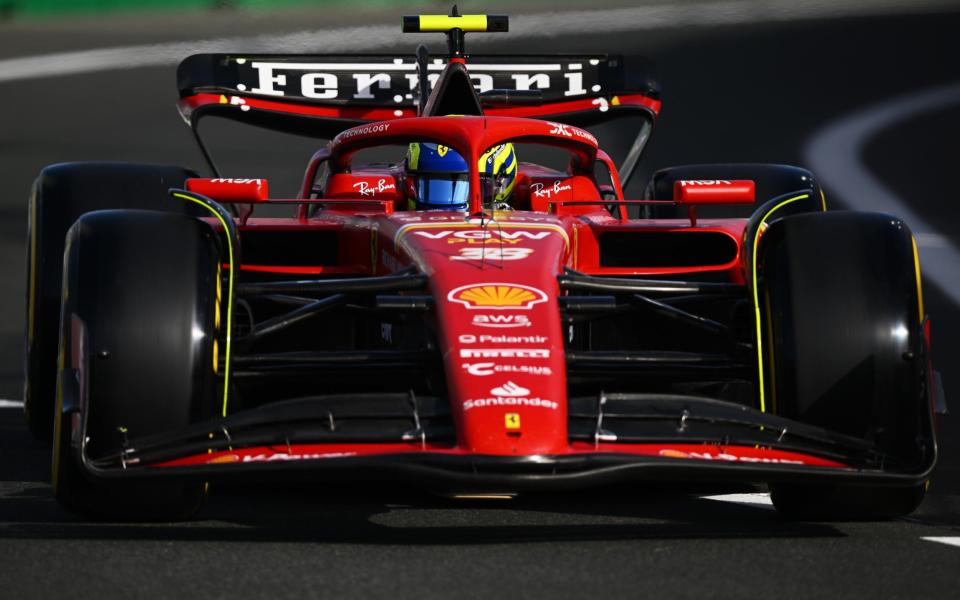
{"x":137,"y":356}
{"x":844,"y":349}
{"x":61,"y":194}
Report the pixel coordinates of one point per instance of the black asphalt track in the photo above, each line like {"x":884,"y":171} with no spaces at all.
{"x":743,"y":93}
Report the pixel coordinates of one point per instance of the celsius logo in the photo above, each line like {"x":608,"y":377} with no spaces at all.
{"x":510,"y":389}
{"x":497,"y":296}
{"x":501,"y":321}
{"x":482,"y":369}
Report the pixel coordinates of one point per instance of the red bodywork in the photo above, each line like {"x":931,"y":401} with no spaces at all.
{"x":494,"y":280}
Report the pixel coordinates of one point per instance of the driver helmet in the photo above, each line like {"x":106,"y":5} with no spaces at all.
{"x":498,"y":175}
{"x":440,"y":177}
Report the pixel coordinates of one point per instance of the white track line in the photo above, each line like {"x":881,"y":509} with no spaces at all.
{"x":754,"y":499}
{"x":11,"y":404}
{"x":835,"y":155}
{"x":528,"y":26}
{"x":951,"y":541}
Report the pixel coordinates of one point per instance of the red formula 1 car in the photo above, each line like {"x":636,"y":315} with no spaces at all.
{"x":462,"y":318}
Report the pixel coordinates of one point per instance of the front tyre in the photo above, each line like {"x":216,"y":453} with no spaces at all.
{"x":844,"y":349}
{"x":137,"y":354}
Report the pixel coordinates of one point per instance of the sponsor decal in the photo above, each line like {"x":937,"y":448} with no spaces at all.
{"x":482,"y":369}
{"x":236,"y":181}
{"x":540,"y":191}
{"x":469,"y":338}
{"x":502,"y":321}
{"x":284,"y":456}
{"x":703,"y":182}
{"x":274,"y":457}
{"x":509,"y":401}
{"x":482,"y":236}
{"x":559,"y":129}
{"x":570,"y":131}
{"x":365,"y":189}
{"x":510,"y":389}
{"x":395,"y":80}
{"x":504,"y":353}
{"x":725,"y":457}
{"x":497,"y":296}
{"x":478,"y":231}
{"x":364,"y":130}
{"x":492,"y":253}
{"x":511,"y":421}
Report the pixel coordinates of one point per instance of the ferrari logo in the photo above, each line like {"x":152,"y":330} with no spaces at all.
{"x":512,"y":421}
{"x":442,"y":150}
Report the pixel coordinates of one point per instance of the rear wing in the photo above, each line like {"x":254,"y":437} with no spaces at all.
{"x":321,"y":95}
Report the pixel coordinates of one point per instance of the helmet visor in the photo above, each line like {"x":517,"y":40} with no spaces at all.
{"x":451,"y":192}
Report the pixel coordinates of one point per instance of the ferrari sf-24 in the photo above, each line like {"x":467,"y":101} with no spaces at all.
{"x":431,"y":308}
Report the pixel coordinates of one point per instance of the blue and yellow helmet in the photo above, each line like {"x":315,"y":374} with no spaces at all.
{"x":440,"y":177}
{"x":498,"y":174}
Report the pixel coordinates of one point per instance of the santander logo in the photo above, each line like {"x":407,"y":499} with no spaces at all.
{"x":510,"y":389}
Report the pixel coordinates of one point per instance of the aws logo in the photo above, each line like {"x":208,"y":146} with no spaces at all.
{"x":497,"y":296}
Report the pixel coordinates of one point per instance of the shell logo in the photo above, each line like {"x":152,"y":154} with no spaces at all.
{"x":497,"y":296}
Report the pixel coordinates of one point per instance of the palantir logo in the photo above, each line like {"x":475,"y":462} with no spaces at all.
{"x":510,"y":389}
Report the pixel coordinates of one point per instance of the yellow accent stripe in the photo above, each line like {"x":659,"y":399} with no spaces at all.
{"x":502,"y":156}
{"x":756,"y":298}
{"x":482,"y":163}
{"x":823,"y":201}
{"x":916,"y":268}
{"x":57,"y":425}
{"x":773,"y":372}
{"x":446,"y":22}
{"x":226,"y":230}
{"x":413,"y":159}
{"x":31,"y":297}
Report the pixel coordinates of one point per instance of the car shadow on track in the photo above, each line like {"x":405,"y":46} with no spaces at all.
{"x":408,"y":517}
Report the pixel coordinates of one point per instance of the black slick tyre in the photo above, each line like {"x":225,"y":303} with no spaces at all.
{"x":137,"y":354}
{"x":844,"y":349}
{"x":61,"y":194}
